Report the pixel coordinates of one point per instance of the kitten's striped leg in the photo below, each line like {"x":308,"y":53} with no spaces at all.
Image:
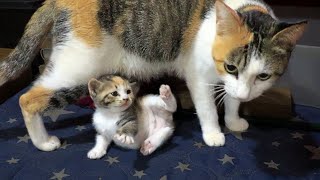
{"x":232,"y":119}
{"x":32,"y":103}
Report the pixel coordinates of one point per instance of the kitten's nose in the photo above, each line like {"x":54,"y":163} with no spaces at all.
{"x":125,"y":99}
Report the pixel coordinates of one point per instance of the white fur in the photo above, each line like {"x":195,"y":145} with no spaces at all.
{"x":75,"y":63}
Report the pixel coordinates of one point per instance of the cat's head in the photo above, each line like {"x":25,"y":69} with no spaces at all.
{"x":111,"y":92}
{"x":251,"y":49}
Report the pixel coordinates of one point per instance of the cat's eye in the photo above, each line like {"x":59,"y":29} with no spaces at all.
{"x":231,"y":69}
{"x":129,"y":91}
{"x":115,"y":93}
{"x":264,"y":76}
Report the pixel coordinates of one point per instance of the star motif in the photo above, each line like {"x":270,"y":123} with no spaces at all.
{"x":226,"y":159}
{"x":24,"y":138}
{"x":297,"y":135}
{"x":13,"y":161}
{"x":64,"y":145}
{"x":183,"y":167}
{"x":54,"y":114}
{"x":315,"y":151}
{"x":60,"y":175}
{"x":80,"y":128}
{"x":198,"y":144}
{"x":12,"y":120}
{"x":164,"y":177}
{"x":272,"y":164}
{"x":237,"y":135}
{"x":112,"y":160}
{"x":139,"y":174}
{"x":276,"y":144}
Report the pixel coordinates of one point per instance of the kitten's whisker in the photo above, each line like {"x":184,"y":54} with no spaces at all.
{"x":219,"y":90}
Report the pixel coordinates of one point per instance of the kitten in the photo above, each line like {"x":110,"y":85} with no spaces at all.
{"x":132,"y":123}
{"x":239,"y":43}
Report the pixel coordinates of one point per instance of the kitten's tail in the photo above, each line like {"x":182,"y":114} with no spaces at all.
{"x":21,"y":57}
{"x":66,"y":96}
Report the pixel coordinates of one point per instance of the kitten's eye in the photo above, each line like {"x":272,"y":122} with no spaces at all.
{"x":264,"y":76}
{"x":129,"y":91}
{"x":115,"y":93}
{"x":231,"y":69}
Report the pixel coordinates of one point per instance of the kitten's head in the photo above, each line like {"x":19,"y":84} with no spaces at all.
{"x":111,"y":92}
{"x":251,"y":49}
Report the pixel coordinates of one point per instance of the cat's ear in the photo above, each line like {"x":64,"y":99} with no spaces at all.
{"x":94,"y":86}
{"x":291,"y":33}
{"x":228,"y":20}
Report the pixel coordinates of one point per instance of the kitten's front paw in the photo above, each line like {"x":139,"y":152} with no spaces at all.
{"x":237,"y":125}
{"x":214,"y":139}
{"x":124,"y":138}
{"x":147,"y":148}
{"x":96,"y":153}
{"x":165,"y":91}
{"x":51,"y":144}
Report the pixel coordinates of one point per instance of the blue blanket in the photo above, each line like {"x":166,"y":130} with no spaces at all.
{"x":259,"y":153}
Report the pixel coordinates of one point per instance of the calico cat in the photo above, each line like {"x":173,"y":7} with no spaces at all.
{"x":144,"y":122}
{"x":239,"y":43}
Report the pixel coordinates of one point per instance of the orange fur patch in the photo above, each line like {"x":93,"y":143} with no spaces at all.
{"x":35,"y":100}
{"x":255,"y":8}
{"x":84,"y":20}
{"x":226,"y":43}
{"x":118,"y":80}
{"x":190,"y":33}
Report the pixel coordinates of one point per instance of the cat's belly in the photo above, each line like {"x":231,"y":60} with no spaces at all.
{"x":76,"y":63}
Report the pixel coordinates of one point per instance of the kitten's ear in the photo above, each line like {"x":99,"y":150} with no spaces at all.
{"x":228,"y":20}
{"x":94,"y":85}
{"x":291,"y":33}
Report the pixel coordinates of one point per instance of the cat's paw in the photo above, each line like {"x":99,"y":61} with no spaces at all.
{"x":214,"y":139}
{"x":237,"y":125}
{"x":165,"y":91}
{"x":147,"y":148}
{"x":51,"y":144}
{"x":124,"y":138}
{"x":96,"y":153}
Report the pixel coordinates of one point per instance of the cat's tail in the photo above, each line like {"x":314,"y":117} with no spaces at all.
{"x":66,"y":96}
{"x":24,"y":53}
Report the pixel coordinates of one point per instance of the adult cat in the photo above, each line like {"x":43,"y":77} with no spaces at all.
{"x":237,"y":42}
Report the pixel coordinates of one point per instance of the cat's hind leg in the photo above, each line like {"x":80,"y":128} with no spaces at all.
{"x":156,"y":140}
{"x":170,"y":103}
{"x":69,"y":66}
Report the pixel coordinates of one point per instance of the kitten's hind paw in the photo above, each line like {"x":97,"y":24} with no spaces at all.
{"x":96,"y":153}
{"x":147,"y":148}
{"x":165,"y":91}
{"x":126,"y":139}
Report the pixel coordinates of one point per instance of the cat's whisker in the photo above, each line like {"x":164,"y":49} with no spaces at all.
{"x":222,"y":100}
{"x":220,"y":95}
{"x":216,"y":89}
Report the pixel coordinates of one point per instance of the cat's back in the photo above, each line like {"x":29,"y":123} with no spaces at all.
{"x":152,"y":29}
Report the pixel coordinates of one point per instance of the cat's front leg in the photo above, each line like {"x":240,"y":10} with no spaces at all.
{"x":232,"y":119}
{"x":126,"y":133}
{"x":100,"y":148}
{"x":206,"y":111}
